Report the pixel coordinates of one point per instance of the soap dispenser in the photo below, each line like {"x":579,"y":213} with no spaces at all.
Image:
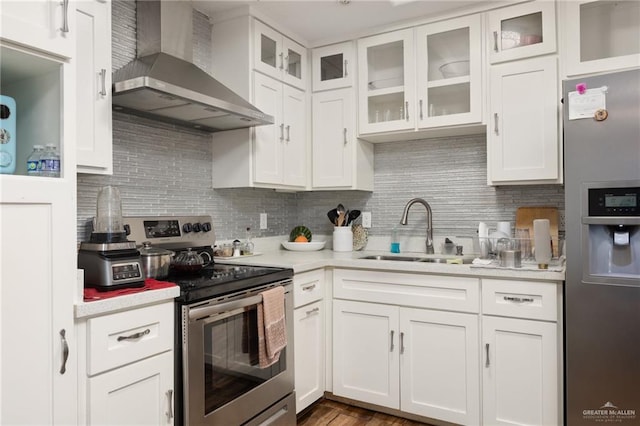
{"x":395,"y":244}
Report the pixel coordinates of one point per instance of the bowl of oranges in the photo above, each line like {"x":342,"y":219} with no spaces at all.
{"x":300,"y":240}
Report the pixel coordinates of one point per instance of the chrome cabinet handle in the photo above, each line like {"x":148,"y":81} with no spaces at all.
{"x":282,"y":132}
{"x":65,"y":351}
{"x":65,"y":16}
{"x":406,"y":110}
{"x":391,"y":348}
{"x":312,"y":311}
{"x":518,"y":299}
{"x":309,"y":287}
{"x":344,"y":131}
{"x":486,"y":348}
{"x":103,"y":78}
{"x":495,"y":41}
{"x":346,"y":72}
{"x":134,"y":335}
{"x":281,"y":60}
{"x":288,"y":133}
{"x":401,"y":342}
{"x":495,"y":123}
{"x":170,"y":404}
{"x":421,"y":117}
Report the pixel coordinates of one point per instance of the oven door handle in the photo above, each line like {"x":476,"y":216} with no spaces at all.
{"x":206,"y":311}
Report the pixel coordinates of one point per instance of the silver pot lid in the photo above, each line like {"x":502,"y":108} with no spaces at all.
{"x":148,"y":250}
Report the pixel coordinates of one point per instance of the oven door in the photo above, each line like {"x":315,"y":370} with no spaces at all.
{"x":223,"y":382}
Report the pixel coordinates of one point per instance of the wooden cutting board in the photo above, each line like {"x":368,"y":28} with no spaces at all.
{"x":526,"y":215}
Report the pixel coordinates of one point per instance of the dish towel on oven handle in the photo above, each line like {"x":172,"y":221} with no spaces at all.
{"x":272,"y":331}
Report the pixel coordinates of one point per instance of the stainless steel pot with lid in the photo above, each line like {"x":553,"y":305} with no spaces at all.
{"x":155,"y":261}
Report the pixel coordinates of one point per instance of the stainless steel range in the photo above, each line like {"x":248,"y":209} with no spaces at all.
{"x":218,"y":377}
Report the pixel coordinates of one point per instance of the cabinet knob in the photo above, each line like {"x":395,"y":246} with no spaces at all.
{"x":346,"y":72}
{"x":65,"y":16}
{"x":103,"y":78}
{"x":65,"y":351}
{"x":495,"y":123}
{"x":495,"y":41}
{"x":486,"y":362}
{"x":345,"y":135}
{"x":169,"y":404}
{"x":391,"y":348}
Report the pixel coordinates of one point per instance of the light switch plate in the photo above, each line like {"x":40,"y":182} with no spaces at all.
{"x":263,"y":221}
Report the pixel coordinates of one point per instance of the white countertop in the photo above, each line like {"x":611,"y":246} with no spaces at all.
{"x":305,"y":261}
{"x":272,"y":254}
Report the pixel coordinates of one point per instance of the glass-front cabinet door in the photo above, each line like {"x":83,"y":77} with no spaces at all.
{"x":601,"y":35}
{"x":449,"y":72}
{"x":333,"y":66}
{"x":522,"y":31}
{"x":278,"y":56}
{"x":386,"y":82}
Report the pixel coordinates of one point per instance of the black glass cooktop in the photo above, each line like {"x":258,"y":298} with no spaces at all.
{"x":220,"y":279}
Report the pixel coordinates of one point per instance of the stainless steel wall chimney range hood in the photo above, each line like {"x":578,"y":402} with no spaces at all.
{"x":165,"y":85}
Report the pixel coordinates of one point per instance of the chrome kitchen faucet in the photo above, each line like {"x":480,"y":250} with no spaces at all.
{"x":405,"y":217}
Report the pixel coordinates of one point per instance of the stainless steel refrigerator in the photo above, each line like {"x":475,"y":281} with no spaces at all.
{"x":602,"y":290}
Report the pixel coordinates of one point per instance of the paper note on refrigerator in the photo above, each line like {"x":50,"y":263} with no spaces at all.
{"x":585,"y":105}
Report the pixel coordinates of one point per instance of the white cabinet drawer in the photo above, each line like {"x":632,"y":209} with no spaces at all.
{"x":308,"y":287}
{"x":408,"y":289}
{"x":520,"y":299}
{"x":126,"y":337}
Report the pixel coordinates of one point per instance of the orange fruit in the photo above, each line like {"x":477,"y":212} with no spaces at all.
{"x":301,"y":239}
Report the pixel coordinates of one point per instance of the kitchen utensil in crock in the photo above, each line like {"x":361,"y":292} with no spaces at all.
{"x":155,"y":261}
{"x":353,"y":215}
{"x":333,"y":216}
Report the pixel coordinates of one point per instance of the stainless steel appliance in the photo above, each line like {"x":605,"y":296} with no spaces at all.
{"x":164,"y":84}
{"x":109,"y":260}
{"x":602,"y":291}
{"x":218,"y":378}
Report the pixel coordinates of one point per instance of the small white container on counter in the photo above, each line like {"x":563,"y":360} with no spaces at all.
{"x":342,"y":238}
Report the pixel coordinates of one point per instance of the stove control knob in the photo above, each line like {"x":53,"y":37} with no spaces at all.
{"x":187,"y":228}
{"x":127,"y":229}
{"x":197,"y":227}
{"x":206,"y":227}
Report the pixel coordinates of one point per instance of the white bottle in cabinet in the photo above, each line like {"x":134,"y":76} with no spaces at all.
{"x":600,"y":35}
{"x":523,"y":144}
{"x":278,"y":56}
{"x":340,"y":160}
{"x":386,"y":82}
{"x":333,"y":67}
{"x":45,"y":25}
{"x":93,"y":87}
{"x":449,"y":83}
{"x":522,"y":31}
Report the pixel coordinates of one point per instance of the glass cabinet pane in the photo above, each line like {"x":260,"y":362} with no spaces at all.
{"x":385,"y":108}
{"x":521,"y":31}
{"x":268,"y":51}
{"x":385,"y":64}
{"x":448,"y":54}
{"x":447,"y":100}
{"x":609,"y":29}
{"x":331,"y":67}
{"x":294,"y":64}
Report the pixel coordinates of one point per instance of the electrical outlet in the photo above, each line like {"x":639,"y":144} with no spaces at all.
{"x":366,"y":219}
{"x":563,"y":223}
{"x":263,"y":221}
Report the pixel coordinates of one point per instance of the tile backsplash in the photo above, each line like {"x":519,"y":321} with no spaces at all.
{"x":164,"y":169}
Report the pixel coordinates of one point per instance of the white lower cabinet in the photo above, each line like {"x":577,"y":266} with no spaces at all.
{"x":309,"y":337}
{"x":128,"y":367}
{"x":390,"y":351}
{"x":521,"y":379}
{"x":520,"y":372}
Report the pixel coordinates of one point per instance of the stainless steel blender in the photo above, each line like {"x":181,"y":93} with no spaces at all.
{"x":109,"y":260}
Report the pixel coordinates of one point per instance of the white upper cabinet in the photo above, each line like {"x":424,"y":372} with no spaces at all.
{"x":340,"y":159}
{"x":600,"y":36}
{"x":39,"y":24}
{"x":278,"y":56}
{"x":522,"y":31}
{"x":333,"y":67}
{"x":449,"y":72}
{"x":522,"y":138}
{"x":386,"y":82}
{"x":93,"y":86}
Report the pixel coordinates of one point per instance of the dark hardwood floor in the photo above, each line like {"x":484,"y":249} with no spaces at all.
{"x":333,"y":413}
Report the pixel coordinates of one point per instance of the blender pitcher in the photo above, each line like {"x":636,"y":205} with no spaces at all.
{"x":109,"y":226}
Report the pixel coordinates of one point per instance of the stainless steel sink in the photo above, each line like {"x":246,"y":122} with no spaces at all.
{"x":443,"y":260}
{"x":399,"y":258}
